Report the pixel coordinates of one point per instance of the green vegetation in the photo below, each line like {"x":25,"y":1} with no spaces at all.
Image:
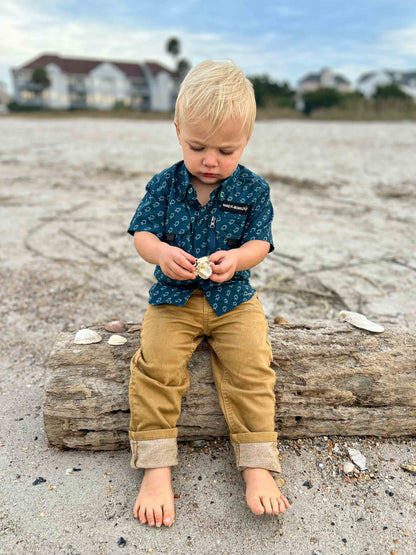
{"x":388,"y":103}
{"x":40,"y":77}
{"x":174,"y":47}
{"x":269,"y":94}
{"x":391,"y":91}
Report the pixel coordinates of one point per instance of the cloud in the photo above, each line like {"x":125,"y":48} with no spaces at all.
{"x":401,"y":41}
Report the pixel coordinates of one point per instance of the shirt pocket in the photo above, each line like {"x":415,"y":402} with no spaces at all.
{"x":180,"y":239}
{"x":230,"y":230}
{"x":178,"y":228}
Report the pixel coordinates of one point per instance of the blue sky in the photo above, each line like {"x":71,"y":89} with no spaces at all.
{"x":286,"y":39}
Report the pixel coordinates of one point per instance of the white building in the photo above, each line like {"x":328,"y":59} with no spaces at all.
{"x":89,"y":83}
{"x":325,"y":79}
{"x":406,"y":80}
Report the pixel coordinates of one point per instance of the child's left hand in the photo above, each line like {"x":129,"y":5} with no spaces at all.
{"x":224,"y":265}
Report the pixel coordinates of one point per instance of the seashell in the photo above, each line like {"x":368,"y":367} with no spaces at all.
{"x":280,"y":320}
{"x":135,"y":327}
{"x":203,"y":267}
{"x":115,"y":326}
{"x":279,"y":482}
{"x":117,"y":340}
{"x":357,"y":458}
{"x":410,"y":467}
{"x":348,"y":467}
{"x":360,"y":321}
{"x":86,"y":336}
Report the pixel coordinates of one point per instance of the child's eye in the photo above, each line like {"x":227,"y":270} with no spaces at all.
{"x":226,"y":152}
{"x":197,"y":149}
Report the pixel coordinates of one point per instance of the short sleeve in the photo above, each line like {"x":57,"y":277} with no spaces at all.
{"x":150,"y":214}
{"x":259,"y":223}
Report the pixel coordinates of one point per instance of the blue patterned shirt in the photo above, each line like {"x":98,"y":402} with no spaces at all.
{"x":239,"y":210}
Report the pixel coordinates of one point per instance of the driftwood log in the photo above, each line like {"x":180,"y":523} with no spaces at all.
{"x":332,"y":379}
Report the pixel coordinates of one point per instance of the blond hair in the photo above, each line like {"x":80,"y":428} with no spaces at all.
{"x":215,"y":92}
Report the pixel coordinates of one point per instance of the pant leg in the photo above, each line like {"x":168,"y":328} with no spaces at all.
{"x":159,"y":378}
{"x":240,"y":357}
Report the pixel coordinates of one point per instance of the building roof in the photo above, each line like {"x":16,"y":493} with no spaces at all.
{"x":398,"y":76}
{"x":316,"y":77}
{"x":82,"y":66}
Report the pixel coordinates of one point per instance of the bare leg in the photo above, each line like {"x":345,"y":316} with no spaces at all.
{"x":155,"y":504}
{"x":262,"y":493}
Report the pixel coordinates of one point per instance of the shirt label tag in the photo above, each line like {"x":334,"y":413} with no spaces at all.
{"x":235,"y":207}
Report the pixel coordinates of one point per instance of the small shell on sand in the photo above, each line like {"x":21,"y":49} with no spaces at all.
{"x":279,"y":482}
{"x":410,"y":467}
{"x":115,"y":326}
{"x":134,"y":327}
{"x":360,"y":321}
{"x":280,"y":320}
{"x":348,"y":467}
{"x":86,"y":336}
{"x":357,"y":458}
{"x":203,"y":267}
{"x":117,"y":340}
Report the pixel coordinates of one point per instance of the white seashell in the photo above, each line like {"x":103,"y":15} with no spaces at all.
{"x":360,"y":321}
{"x":117,"y":340}
{"x":357,"y":458}
{"x":203,"y":267}
{"x":86,"y":336}
{"x":348,"y":467}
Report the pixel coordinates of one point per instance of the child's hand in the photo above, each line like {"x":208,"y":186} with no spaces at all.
{"x":224,"y":267}
{"x":176,"y":263}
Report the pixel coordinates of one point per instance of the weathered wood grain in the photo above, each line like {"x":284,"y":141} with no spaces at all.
{"x":331,"y":379}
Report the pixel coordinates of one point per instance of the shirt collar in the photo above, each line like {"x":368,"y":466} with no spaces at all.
{"x":222,"y":191}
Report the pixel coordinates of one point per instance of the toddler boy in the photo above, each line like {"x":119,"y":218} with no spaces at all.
{"x":205,"y":205}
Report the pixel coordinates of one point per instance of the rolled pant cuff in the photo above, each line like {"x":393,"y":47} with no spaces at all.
{"x":257,"y":455}
{"x":154,"y":453}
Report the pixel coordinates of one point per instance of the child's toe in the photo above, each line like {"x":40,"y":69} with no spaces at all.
{"x":282,"y":505}
{"x":142,"y":515}
{"x":255,"y":505}
{"x":168,"y":514}
{"x":266,"y":502}
{"x":150,"y":517}
{"x":275,"y":505}
{"x":158,"y":516}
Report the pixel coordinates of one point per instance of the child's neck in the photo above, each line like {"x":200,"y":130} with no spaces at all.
{"x":203,"y":191}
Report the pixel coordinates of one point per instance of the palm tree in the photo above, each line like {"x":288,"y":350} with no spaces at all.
{"x":173,"y":46}
{"x":40,"y":77}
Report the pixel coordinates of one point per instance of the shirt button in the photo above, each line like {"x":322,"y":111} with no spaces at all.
{"x":200,"y":221}
{"x":190,"y":189}
{"x":222,"y":195}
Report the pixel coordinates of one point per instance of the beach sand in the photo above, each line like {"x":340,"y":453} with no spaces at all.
{"x":344,"y":230}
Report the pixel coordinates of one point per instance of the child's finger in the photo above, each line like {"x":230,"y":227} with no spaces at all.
{"x":189,"y":257}
{"x":216,"y":256}
{"x":182,"y":261}
{"x":181,"y":273}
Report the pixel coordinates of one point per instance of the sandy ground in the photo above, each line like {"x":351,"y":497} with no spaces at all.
{"x":345,"y":197}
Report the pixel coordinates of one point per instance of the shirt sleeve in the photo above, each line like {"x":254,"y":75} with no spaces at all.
{"x":259,"y":223}
{"x":150,"y":214}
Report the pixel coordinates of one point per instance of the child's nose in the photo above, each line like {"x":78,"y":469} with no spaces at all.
{"x":210,"y":160}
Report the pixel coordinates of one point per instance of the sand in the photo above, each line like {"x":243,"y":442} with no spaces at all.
{"x":344,"y":197}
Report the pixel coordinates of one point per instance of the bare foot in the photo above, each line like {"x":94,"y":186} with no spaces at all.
{"x":155,"y":504}
{"x":262,"y":493}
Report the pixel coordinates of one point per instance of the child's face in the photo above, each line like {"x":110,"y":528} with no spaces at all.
{"x":211,"y":160}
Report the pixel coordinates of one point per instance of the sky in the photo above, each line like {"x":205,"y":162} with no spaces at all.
{"x":285,"y":39}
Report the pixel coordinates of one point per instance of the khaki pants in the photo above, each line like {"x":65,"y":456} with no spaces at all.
{"x":240,"y":360}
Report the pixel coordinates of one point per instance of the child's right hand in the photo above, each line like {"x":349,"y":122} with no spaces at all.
{"x":176,"y":263}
